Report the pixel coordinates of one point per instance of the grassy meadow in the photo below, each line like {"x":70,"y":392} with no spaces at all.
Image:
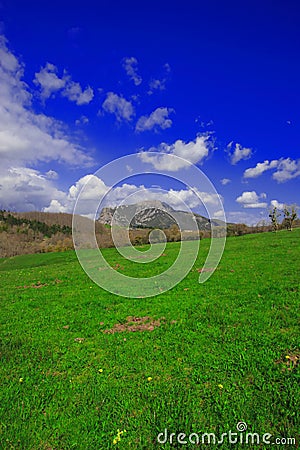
{"x":78,"y":363}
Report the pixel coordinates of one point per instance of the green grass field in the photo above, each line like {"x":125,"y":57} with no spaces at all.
{"x":196,"y":359}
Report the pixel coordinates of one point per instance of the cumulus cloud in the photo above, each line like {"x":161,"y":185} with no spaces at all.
{"x":225,"y":181}
{"x":26,"y":137}
{"x":192,"y":197}
{"x":276,"y":204}
{"x":96,"y":188}
{"x":237,"y":152}
{"x":65,"y":203}
{"x":25,"y":189}
{"x":74,"y":92}
{"x":127,"y":194}
{"x":119,"y":106}
{"x":48,"y":80}
{"x":131,"y":68}
{"x":193,"y":152}
{"x":286,"y":169}
{"x":56,"y":206}
{"x":260,"y":168}
{"x":250,"y":199}
{"x":157,"y":119}
{"x":50,"y":83}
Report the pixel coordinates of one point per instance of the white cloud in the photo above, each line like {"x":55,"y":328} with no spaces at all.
{"x":225,"y":181}
{"x":192,"y":197}
{"x":117,"y":105}
{"x":276,"y":204}
{"x":157,"y":119}
{"x":56,"y":207}
{"x":50,"y":83}
{"x":51,"y":175}
{"x":96,"y":188}
{"x":256,"y":205}
{"x":92,"y":194}
{"x":260,"y":168}
{"x":48,"y":80}
{"x":286,"y":169}
{"x":128,"y":194}
{"x":194,"y":152}
{"x":9,"y":62}
{"x":26,"y":137}
{"x":167,"y":67}
{"x":83,"y":120}
{"x":131,"y":67}
{"x":156,"y":84}
{"x":247,"y":218}
{"x":75,"y":93}
{"x":219,"y":214}
{"x":203,"y":124}
{"x":24,"y":189}
{"x":159,"y":84}
{"x":237,"y":152}
{"x":250,"y":199}
{"x":133,"y":194}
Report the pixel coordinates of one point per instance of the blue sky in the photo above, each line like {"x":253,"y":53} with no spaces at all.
{"x":216,"y":82}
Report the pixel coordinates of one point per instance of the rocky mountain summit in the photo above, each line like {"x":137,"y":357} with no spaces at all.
{"x":153,"y":214}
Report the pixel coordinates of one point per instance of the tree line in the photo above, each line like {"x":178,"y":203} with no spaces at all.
{"x":37,"y":232}
{"x":9,"y":220}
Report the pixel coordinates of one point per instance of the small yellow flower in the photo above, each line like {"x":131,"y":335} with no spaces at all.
{"x":220,"y":386}
{"x":118,"y":437}
{"x":21,"y":380}
{"x":100,"y":370}
{"x":149,"y":378}
{"x":287,"y":357}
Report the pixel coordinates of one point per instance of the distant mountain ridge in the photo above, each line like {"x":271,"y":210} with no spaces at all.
{"x":154,"y":214}
{"x":39,"y":232}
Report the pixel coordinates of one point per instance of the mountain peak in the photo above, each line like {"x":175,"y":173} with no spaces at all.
{"x":152,"y":214}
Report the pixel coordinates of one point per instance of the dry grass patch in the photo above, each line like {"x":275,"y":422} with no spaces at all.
{"x":134,"y":324}
{"x":290,"y":361}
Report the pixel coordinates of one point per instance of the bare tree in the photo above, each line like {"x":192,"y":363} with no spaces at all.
{"x":290,"y":215}
{"x":274,"y":215}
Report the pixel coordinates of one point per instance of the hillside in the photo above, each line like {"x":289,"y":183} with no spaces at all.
{"x":39,"y":232}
